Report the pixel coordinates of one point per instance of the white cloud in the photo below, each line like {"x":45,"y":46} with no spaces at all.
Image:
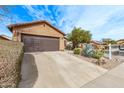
{"x":96,"y":16}
{"x":38,"y":14}
{"x":69,"y":16}
{"x":100,"y":20}
{"x":33,"y":12}
{"x":115,"y":32}
{"x":7,"y":20}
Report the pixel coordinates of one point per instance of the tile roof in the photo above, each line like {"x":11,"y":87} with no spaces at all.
{"x":6,"y":37}
{"x":34,"y":22}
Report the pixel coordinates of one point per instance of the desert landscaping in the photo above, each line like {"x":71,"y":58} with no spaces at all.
{"x":55,"y":47}
{"x":11,"y":55}
{"x":16,"y":69}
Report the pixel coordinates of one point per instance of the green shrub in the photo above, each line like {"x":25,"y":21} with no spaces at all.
{"x":88,"y":50}
{"x":77,"y":51}
{"x":97,"y":54}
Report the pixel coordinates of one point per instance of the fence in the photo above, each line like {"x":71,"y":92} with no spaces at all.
{"x":116,"y":50}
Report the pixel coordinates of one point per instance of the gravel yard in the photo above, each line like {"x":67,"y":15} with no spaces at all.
{"x":107,"y":64}
{"x":11,"y":54}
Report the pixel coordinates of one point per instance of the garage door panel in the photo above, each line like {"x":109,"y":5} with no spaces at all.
{"x":37,"y":43}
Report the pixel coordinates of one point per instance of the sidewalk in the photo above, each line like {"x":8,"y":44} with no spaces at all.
{"x":112,"y":79}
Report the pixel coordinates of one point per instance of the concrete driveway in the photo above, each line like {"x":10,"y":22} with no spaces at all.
{"x":57,"y":69}
{"x":112,"y":79}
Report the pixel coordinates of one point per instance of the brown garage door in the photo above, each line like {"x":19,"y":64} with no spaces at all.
{"x":38,"y":43}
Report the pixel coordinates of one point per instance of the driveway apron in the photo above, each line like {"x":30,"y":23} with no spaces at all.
{"x":60,"y":69}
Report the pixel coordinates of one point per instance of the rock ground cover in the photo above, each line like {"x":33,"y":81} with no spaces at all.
{"x":11,"y":54}
{"x":106,"y":63}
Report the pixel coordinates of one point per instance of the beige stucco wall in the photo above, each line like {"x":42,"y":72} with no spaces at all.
{"x":120,"y":42}
{"x":62,"y":45}
{"x":39,"y":29}
{"x":2,"y":38}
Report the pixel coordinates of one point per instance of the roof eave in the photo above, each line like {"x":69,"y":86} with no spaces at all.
{"x":16,"y":25}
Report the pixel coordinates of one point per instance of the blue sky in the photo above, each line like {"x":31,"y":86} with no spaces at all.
{"x":102,"y":21}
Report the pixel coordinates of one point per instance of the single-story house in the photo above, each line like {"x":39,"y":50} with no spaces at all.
{"x":97,"y":44}
{"x":120,"y":42}
{"x":4,"y":37}
{"x":94,"y":42}
{"x":38,"y":36}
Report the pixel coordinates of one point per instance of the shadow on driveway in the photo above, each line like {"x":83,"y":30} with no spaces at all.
{"x":29,"y":71}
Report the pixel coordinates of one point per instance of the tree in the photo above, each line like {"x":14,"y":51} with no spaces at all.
{"x":78,"y":35}
{"x":109,"y":41}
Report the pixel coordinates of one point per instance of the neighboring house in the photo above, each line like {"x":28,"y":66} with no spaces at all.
{"x":38,"y":36}
{"x":4,"y":37}
{"x":94,"y":42}
{"x":120,"y":42}
{"x":97,"y":44}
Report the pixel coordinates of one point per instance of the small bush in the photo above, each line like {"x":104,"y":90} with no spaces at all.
{"x":97,"y":54}
{"x":88,"y":50}
{"x":77,"y":51}
{"x":69,"y":47}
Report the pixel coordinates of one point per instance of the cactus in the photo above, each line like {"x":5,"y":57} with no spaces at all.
{"x":88,"y":50}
